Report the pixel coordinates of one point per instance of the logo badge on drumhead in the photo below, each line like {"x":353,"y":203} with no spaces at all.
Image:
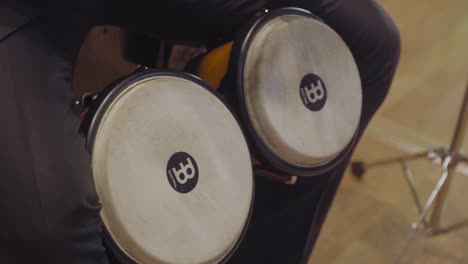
{"x":182,"y":172}
{"x":313,"y":92}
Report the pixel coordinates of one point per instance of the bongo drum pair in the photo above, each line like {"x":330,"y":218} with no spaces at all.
{"x":172,"y":163}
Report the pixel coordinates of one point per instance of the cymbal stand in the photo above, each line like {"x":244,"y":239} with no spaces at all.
{"x":450,"y":158}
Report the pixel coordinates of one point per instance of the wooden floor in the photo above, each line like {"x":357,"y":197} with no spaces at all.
{"x":369,"y":220}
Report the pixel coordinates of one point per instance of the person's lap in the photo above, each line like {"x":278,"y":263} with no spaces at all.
{"x":48,"y":204}
{"x":47,"y":197}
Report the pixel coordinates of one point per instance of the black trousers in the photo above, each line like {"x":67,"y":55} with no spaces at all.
{"x":49,"y":209}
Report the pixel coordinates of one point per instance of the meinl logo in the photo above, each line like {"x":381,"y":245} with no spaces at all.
{"x":182,"y":172}
{"x":313,"y":92}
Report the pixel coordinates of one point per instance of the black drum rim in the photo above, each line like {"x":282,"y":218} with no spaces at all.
{"x":236,"y":63}
{"x":95,"y":114}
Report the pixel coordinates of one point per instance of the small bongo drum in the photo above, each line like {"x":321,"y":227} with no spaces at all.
{"x":296,"y":87}
{"x":172,"y":169}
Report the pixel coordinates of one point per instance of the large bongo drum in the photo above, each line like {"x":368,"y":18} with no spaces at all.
{"x":296,"y":87}
{"x":172,"y":169}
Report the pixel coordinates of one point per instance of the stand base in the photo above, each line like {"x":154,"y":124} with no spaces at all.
{"x":449,"y":162}
{"x":359,"y":168}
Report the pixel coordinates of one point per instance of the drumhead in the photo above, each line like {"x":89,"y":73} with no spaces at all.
{"x":300,"y":87}
{"x":172,"y":169}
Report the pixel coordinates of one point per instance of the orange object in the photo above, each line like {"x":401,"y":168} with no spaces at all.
{"x":214,"y":65}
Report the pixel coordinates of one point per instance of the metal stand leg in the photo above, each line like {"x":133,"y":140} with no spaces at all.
{"x":440,"y":184}
{"x":427,"y":207}
{"x":455,"y":146}
{"x":359,"y":167}
{"x":435,"y":227}
{"x":450,"y":159}
{"x":410,"y":180}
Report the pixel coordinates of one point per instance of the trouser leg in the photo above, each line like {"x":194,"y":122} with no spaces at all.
{"x":48,"y":205}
